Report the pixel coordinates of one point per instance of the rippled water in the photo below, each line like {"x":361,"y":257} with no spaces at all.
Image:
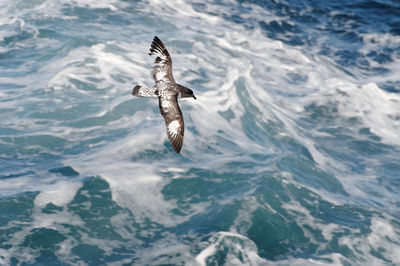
{"x":291,"y":152}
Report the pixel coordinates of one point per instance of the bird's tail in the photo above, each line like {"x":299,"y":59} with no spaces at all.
{"x":140,"y":91}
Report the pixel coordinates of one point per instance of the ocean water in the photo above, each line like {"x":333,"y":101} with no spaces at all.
{"x":291,"y":153}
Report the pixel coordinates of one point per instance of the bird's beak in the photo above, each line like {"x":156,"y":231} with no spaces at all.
{"x":194,"y":97}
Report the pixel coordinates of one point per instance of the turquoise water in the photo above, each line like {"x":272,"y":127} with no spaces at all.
{"x":291,"y":152}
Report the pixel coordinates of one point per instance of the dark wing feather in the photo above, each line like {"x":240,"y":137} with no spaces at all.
{"x":173,"y":117}
{"x":162,"y":71}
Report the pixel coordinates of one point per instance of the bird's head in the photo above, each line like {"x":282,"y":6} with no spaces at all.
{"x":186,"y":92}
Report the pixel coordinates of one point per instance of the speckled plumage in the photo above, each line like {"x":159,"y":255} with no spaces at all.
{"x":167,"y":91}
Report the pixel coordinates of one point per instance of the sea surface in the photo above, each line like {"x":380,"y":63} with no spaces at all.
{"x":291,"y":153}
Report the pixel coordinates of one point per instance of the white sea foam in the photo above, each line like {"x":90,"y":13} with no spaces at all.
{"x":243,"y":220}
{"x":377,"y":108}
{"x":59,"y":194}
{"x":110,"y":4}
{"x":242,"y":251}
{"x":383,"y":238}
{"x":169,"y":250}
{"x":381,"y":232}
{"x":136,"y":186}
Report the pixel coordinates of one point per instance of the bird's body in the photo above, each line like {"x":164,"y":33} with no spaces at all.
{"x":167,"y":91}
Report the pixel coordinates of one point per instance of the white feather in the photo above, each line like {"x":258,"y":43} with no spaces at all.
{"x":166,"y":104}
{"x":173,"y":127}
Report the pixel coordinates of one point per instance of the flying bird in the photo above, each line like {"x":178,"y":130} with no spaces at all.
{"x":167,"y":91}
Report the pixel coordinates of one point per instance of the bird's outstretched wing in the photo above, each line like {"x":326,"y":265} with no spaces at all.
{"x":172,"y":114}
{"x":162,"y":70}
{"x":140,"y":91}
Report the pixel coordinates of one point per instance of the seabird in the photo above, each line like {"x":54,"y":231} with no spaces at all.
{"x":167,"y":91}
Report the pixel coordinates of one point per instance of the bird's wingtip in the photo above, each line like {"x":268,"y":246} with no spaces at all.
{"x":135,"y":90}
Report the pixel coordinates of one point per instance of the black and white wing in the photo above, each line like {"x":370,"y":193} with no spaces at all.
{"x":172,"y":114}
{"x":162,"y":71}
{"x":140,"y":91}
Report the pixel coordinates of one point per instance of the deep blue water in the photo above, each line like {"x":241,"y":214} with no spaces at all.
{"x":291,"y":152}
